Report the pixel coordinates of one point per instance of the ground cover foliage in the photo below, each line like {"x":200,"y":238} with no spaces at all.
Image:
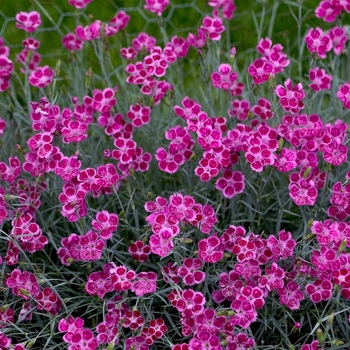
{"x":175,"y":175}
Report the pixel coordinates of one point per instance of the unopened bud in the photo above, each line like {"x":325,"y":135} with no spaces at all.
{"x":30,"y":344}
{"x":307,"y":172}
{"x":343,"y":245}
{"x":280,"y":144}
{"x":309,"y":237}
{"x":9,"y":197}
{"x":320,"y":336}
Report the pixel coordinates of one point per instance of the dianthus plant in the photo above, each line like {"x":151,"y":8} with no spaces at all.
{"x":161,"y":188}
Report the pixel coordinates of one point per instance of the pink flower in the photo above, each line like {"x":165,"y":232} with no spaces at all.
{"x":328,"y":10}
{"x":231,"y":183}
{"x":208,"y":168}
{"x":92,"y":246}
{"x":90,"y":32}
{"x":210,"y":249}
{"x":162,"y":243}
{"x":319,"y":290}
{"x":240,"y":109}
{"x":31,"y":44}
{"x":139,"y":251}
{"x":291,"y":295}
{"x":320,"y":80}
{"x":224,"y":78}
{"x":122,"y":278}
{"x":301,"y":190}
{"x":205,"y":340}
{"x":79,"y":4}
{"x":339,"y":38}
{"x":226,"y":6}
{"x":290,"y":97}
{"x":263,"y":109}
{"x":72,"y":42}
{"x":245,"y":313}
{"x":41,"y":77}
{"x":99,"y":283}
{"x":197,"y":41}
{"x":144,"y":283}
{"x":28,"y":21}
{"x":312,"y":346}
{"x":143,"y":41}
{"x":213,"y":27}
{"x":120,"y":20}
{"x":336,"y":153}
{"x":139,"y":115}
{"x":156,"y":6}
{"x":47,"y":300}
{"x":189,"y":271}
{"x":105,"y":223}
{"x":318,"y":42}
{"x":343,"y":94}
{"x":260,"y":70}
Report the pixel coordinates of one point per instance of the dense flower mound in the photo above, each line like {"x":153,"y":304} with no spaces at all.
{"x":166,"y":190}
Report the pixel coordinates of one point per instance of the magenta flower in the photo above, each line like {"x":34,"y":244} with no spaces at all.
{"x":79,"y":4}
{"x":30,"y":60}
{"x":99,"y":283}
{"x":336,"y":153}
{"x":144,"y":283}
{"x":90,"y":32}
{"x":189,"y":271}
{"x":162,"y":243}
{"x":239,"y":110}
{"x":213,"y":27}
{"x":139,"y":115}
{"x":92,"y":246}
{"x":328,"y":10}
{"x":143,"y":41}
{"x":245,"y":313}
{"x":122,"y":278}
{"x":132,"y":319}
{"x":41,"y":77}
{"x":208,"y":168}
{"x":290,"y":97}
{"x":339,"y":37}
{"x":105,"y":224}
{"x":343,"y":94}
{"x":210,"y":249}
{"x":226,"y":7}
{"x":314,"y":344}
{"x":301,"y":190}
{"x":291,"y":295}
{"x":156,"y":6}
{"x":23,"y":284}
{"x":205,"y":340}
{"x":139,"y":251}
{"x":197,"y":41}
{"x":224,"y":78}
{"x":260,"y":70}
{"x":231,"y":183}
{"x":72,"y":42}
{"x":28,"y":21}
{"x":120,"y":20}
{"x":263,"y":109}
{"x":320,"y":80}
{"x":319,"y":290}
{"x":47,"y":300}
{"x":318,"y":42}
